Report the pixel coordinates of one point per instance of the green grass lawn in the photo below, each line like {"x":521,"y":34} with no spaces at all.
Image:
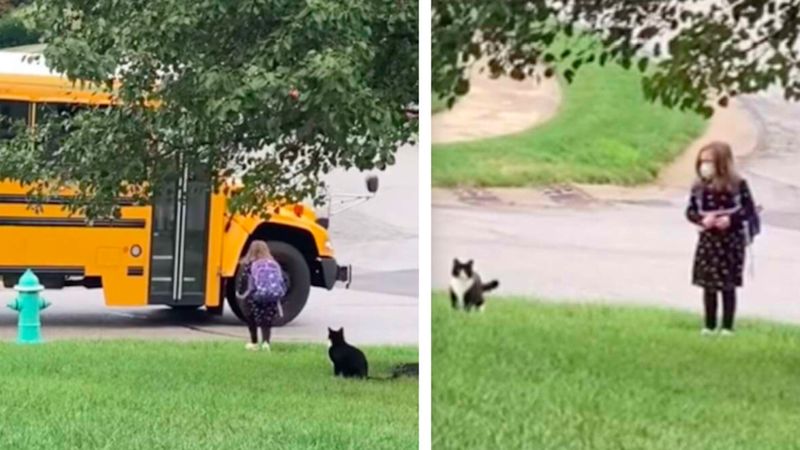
{"x":548,"y":376}
{"x":144,"y":395}
{"x":605,"y":132}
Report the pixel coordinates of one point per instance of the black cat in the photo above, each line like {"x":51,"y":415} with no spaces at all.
{"x":348,"y":361}
{"x":466,"y":288}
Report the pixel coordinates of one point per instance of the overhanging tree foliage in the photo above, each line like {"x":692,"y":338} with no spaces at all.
{"x":694,"y":52}
{"x":276,"y":92}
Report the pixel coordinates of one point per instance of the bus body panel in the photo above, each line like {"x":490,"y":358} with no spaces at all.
{"x":44,"y":89}
{"x":241,"y":228}
{"x":52,"y":242}
{"x":306,"y":222}
{"x":216,"y":242}
{"x":233,"y":244}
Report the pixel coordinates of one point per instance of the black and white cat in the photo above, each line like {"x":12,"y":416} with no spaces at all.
{"x":466,"y":288}
{"x":348,"y":361}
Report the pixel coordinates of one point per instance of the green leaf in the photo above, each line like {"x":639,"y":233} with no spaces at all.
{"x":643,"y":64}
{"x":462,"y":87}
{"x":569,"y":75}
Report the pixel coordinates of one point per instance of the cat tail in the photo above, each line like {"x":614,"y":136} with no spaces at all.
{"x":490,"y":285}
{"x":380,"y":378}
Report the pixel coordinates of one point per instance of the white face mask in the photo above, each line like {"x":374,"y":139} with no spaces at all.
{"x":707,"y":170}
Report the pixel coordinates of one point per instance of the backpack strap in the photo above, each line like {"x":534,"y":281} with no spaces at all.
{"x":750,"y":257}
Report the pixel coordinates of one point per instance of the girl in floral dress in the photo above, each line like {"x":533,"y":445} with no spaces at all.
{"x":719,"y":204}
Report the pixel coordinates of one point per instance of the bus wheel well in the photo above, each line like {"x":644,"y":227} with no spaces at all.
{"x":300,"y":239}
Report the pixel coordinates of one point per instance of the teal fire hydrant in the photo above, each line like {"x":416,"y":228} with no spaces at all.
{"x":29,"y":303}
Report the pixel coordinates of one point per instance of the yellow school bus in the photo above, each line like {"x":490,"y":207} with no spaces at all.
{"x":181,"y":250}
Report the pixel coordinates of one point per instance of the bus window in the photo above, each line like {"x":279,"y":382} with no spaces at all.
{"x":10,"y":112}
{"x":46,"y":111}
{"x":57,"y":111}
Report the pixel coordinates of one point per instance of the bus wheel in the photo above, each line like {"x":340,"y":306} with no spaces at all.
{"x":230,"y":294}
{"x":298,"y":280}
{"x":10,"y":281}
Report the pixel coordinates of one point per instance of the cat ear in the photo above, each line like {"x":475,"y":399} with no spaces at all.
{"x":341,"y":330}
{"x":329,"y":330}
{"x":469,"y":263}
{"x":455,"y":261}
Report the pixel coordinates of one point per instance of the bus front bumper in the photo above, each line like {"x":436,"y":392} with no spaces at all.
{"x":331,"y":272}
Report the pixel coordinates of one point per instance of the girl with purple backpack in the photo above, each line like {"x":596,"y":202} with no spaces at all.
{"x":260,"y":287}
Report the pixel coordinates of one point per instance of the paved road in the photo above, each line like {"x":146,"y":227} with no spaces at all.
{"x":638,"y":253}
{"x":379,"y":238}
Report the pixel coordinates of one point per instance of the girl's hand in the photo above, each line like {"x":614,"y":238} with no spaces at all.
{"x":723,"y":222}
{"x":709,"y":221}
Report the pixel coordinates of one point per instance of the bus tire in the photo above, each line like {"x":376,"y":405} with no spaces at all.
{"x":295,"y":267}
{"x":10,"y":281}
{"x":230,"y":294}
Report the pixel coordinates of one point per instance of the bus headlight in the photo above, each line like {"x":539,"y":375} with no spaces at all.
{"x":136,"y":251}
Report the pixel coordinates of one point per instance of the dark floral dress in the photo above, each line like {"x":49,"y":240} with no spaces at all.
{"x":261,"y":315}
{"x":719,"y":257}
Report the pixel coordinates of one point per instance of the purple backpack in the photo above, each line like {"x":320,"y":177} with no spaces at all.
{"x":267,"y":282}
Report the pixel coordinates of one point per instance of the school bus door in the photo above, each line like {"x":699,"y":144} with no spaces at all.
{"x":179,"y":242}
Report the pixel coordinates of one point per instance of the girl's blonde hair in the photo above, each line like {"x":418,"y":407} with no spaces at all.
{"x":725,"y":176}
{"x":257,"y":250}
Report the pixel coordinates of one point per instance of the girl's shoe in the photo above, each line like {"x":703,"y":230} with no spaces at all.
{"x":726,"y":332}
{"x":706,"y":332}
{"x":251,"y":346}
{"x":265,"y":346}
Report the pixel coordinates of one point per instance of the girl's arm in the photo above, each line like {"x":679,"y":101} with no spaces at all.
{"x":243,"y":274}
{"x":693,"y":210}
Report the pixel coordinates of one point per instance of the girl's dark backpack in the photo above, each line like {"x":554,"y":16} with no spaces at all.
{"x":752,"y":221}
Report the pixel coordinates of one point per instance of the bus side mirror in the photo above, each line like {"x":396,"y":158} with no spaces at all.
{"x":372,"y":184}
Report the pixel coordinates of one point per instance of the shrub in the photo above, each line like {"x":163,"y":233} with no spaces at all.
{"x":13,"y":33}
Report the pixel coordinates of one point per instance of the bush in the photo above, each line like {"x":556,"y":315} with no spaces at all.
{"x":13,"y":33}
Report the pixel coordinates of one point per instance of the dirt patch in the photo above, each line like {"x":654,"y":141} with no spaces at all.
{"x":497,"y":107}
